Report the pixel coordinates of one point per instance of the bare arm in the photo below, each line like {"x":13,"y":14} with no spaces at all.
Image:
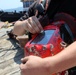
{"x":63,"y":60}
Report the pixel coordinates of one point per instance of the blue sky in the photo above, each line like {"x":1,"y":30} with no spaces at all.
{"x":8,"y":4}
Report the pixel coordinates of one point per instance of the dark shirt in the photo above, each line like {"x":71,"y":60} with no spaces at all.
{"x":55,"y":6}
{"x":66,"y":6}
{"x":31,"y":11}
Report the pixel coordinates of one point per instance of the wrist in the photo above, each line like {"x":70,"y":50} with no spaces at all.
{"x":50,"y":65}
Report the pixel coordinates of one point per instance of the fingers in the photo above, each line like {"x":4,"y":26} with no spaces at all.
{"x":24,"y":60}
{"x":28,"y":27}
{"x":37,"y":23}
{"x":22,"y":66}
{"x":33,"y":25}
{"x":23,"y":69}
{"x":35,"y":28}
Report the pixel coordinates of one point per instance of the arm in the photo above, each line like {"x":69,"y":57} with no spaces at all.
{"x":64,"y":60}
{"x":37,"y":66}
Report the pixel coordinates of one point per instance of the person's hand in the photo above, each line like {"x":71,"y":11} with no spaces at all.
{"x":32,"y":25}
{"x":33,"y":65}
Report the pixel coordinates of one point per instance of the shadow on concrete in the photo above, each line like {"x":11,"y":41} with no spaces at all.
{"x":20,"y":52}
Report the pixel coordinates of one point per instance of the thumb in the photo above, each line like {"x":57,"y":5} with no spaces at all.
{"x":25,"y":59}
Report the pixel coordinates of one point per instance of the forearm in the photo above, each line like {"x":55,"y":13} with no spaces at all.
{"x":63,"y":60}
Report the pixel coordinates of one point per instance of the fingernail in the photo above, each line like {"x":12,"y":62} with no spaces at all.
{"x":22,"y":59}
{"x":42,"y":31}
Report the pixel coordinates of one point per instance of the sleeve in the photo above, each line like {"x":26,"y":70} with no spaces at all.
{"x":31,"y":12}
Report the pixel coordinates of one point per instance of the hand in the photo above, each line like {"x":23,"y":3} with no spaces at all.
{"x":33,"y":65}
{"x":32,"y":25}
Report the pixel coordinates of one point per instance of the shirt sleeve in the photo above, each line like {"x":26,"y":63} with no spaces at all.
{"x":31,"y":12}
